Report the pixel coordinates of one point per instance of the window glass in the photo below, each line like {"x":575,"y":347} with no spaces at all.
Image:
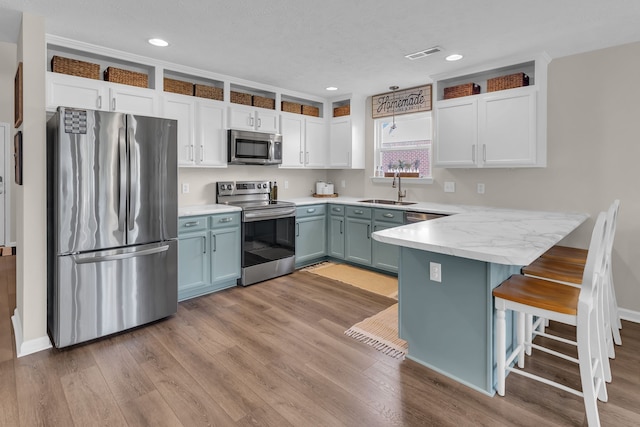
{"x":405,"y":147}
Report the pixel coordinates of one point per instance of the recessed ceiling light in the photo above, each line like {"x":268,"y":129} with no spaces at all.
{"x":158,"y":42}
{"x":454,"y":57}
{"x":332,"y":88}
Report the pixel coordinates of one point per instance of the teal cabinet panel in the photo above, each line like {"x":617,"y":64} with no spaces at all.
{"x":336,"y":236}
{"x":209,"y":254}
{"x":225,"y":256}
{"x":389,"y":215}
{"x":313,"y":210}
{"x":193,"y":265}
{"x":358,"y":240}
{"x":310,"y":238}
{"x":384,"y":255}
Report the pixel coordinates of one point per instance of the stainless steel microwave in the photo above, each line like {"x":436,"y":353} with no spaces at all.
{"x":253,"y":148}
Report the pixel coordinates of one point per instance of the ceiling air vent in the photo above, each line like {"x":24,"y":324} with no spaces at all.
{"x":423,"y":53}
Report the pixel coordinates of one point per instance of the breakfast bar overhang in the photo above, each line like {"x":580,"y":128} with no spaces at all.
{"x":449,"y":324}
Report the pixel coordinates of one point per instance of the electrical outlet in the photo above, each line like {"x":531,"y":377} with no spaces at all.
{"x":449,"y":187}
{"x":480,"y":188}
{"x":185,"y":188}
{"x":435,"y":272}
{"x":286,"y":185}
{"x":343,"y":184}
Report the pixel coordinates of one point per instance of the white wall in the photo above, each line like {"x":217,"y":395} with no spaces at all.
{"x":202,"y":188}
{"x":30,"y":317}
{"x":593,"y":158}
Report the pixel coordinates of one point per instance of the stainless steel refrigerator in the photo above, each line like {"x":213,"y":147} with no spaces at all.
{"x":112,"y":212}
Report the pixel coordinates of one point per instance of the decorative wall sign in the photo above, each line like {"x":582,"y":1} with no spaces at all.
{"x":17,"y":156}
{"x":405,"y":101}
{"x":17,"y":97}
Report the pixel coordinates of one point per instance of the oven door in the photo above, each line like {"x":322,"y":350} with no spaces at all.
{"x":267,"y":239}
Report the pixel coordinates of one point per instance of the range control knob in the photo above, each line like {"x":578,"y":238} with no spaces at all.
{"x":229,"y":187}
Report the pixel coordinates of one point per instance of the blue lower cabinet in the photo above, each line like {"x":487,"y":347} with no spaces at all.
{"x":384,"y":255}
{"x":193,"y":265}
{"x":311,"y":231}
{"x":208,"y":254}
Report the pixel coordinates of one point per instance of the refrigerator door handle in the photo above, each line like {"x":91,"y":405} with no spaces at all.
{"x":122,"y":204}
{"x":118,"y":254}
{"x":133,"y":179}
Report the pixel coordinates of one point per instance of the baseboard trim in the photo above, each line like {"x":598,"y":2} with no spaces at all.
{"x":630,"y":315}
{"x":24,"y":348}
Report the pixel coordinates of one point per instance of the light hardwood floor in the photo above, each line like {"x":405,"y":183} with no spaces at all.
{"x":274,"y":354}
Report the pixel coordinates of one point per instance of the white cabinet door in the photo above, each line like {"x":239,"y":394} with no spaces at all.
{"x":315,"y":152}
{"x":242,"y":118}
{"x":507,"y":128}
{"x":456,"y":133}
{"x":133,"y":100}
{"x":292,"y":126}
{"x":267,"y":121}
{"x":181,"y":108}
{"x":75,"y":92}
{"x":249,"y":118}
{"x":211,"y":141}
{"x":340,"y":141}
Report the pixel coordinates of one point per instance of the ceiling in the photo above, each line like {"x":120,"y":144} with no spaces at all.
{"x":356,"y":45}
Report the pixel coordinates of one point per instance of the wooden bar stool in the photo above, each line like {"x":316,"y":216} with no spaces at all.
{"x":578,"y":306}
{"x":564,"y":265}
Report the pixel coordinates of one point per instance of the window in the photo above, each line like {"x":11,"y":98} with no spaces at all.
{"x":405,"y":148}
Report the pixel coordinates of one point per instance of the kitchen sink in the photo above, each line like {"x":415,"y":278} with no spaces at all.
{"x":386,"y":202}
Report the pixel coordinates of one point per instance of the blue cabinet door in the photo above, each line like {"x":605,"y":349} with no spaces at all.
{"x":336,"y":236}
{"x":311,"y":239}
{"x":193,"y":265}
{"x":385,"y":256}
{"x":358,"y":241}
{"x":225,"y":257}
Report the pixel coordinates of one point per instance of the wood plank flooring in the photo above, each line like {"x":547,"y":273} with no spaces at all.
{"x":275,"y":354}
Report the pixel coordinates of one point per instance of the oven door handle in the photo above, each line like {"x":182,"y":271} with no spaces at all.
{"x":261,"y":215}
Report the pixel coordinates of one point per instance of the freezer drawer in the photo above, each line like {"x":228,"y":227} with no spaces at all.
{"x":98,"y":293}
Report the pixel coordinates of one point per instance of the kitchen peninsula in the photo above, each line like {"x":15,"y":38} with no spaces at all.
{"x":447,"y":270}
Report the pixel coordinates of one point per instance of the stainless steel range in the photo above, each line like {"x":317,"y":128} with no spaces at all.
{"x":268,"y":230}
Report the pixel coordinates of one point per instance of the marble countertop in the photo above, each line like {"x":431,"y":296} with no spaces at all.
{"x":502,"y":236}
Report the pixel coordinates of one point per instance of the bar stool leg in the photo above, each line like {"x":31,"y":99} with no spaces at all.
{"x":501,"y":350}
{"x":520,"y":333}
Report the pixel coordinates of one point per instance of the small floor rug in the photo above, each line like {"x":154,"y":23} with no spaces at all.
{"x":381,"y":332}
{"x":365,"y":279}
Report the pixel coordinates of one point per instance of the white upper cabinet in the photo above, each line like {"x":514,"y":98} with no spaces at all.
{"x":134,"y":100}
{"x":78,"y":92}
{"x":201,"y":130}
{"x":250,"y":118}
{"x":340,"y":140}
{"x":507,"y":128}
{"x":211,"y":138}
{"x":503,"y":128}
{"x":304,"y":141}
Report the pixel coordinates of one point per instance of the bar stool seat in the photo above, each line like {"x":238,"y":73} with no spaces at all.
{"x":567,"y":254}
{"x":556,"y":270}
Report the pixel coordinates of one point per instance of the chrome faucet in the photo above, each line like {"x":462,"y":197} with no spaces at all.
{"x":401,"y":194}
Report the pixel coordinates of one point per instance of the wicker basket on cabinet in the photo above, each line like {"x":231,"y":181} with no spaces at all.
{"x":240,"y":98}
{"x":461,"y":90}
{"x":178,"y":86}
{"x":210,"y":92}
{"x":126,"y":77}
{"x":263,"y":102}
{"x":291,"y":107}
{"x":73,"y":67}
{"x":309,"y":110}
{"x":507,"y":82}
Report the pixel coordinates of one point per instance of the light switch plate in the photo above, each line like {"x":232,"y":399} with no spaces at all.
{"x":185,"y":188}
{"x":480,"y":188}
